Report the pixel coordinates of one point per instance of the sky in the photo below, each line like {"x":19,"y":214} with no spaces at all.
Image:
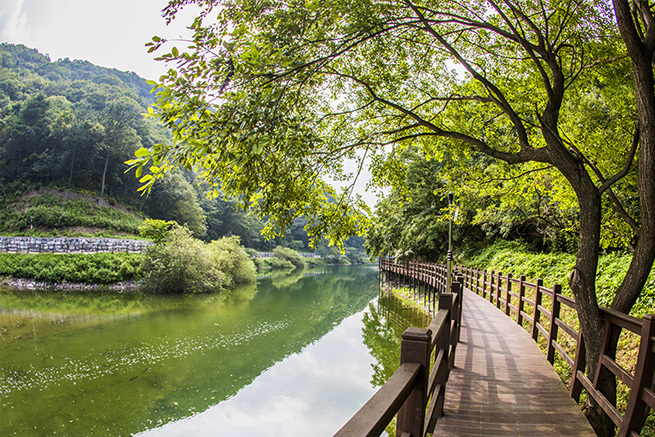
{"x":108,"y":33}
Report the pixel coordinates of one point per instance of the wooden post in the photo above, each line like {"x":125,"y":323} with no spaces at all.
{"x":508,"y":301}
{"x":446,"y":303}
{"x":634,"y":413}
{"x":536,"y":315}
{"x":499,"y":291}
{"x":519,"y":317}
{"x":443,"y":343}
{"x":491,"y":288}
{"x":552,"y":331}
{"x":477,"y":282}
{"x":578,"y":367}
{"x":456,"y":288}
{"x":484,"y":284}
{"x":415,"y":348}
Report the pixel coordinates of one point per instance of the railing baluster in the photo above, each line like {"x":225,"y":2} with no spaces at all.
{"x":508,"y":292}
{"x":519,"y":319}
{"x":634,"y":414}
{"x":536,"y":315}
{"x":552,"y":331}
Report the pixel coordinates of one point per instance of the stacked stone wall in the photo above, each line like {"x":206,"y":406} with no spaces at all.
{"x":71,"y":245}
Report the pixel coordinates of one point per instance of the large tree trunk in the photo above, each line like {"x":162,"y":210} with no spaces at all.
{"x":642,"y":261}
{"x":583,"y":285}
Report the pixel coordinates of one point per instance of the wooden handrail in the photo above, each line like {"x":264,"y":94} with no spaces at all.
{"x":416,"y":392}
{"x":640,"y":398}
{"x":376,"y":414}
{"x":546,"y":305}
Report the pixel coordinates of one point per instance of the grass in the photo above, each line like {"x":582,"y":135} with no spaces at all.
{"x":60,"y":213}
{"x":100,"y":268}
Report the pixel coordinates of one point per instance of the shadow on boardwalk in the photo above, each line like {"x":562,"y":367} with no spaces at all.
{"x":502,"y":384}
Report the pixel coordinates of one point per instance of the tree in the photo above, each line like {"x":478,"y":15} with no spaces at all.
{"x":271,"y":98}
{"x":119,"y":134}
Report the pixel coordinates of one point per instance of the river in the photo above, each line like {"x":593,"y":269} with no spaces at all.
{"x":296,"y":354}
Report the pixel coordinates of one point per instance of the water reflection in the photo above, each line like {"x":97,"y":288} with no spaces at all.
{"x":300,"y":352}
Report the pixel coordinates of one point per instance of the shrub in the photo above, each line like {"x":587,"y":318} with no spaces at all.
{"x":183,"y":264}
{"x":290,"y":255}
{"x":156,"y":230}
{"x":233,"y":260}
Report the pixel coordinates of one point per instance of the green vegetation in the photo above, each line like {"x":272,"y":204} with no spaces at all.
{"x":66,"y":129}
{"x":156,"y":230}
{"x":555,"y":268}
{"x":100,"y":268}
{"x":66,"y":213}
{"x":183,"y":264}
{"x":291,"y":256}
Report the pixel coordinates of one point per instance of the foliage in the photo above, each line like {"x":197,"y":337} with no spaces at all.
{"x":555,"y":268}
{"x":100,"y":268}
{"x":156,"y":230}
{"x":288,"y":254}
{"x":22,"y":209}
{"x":233,"y":260}
{"x":183,"y":264}
{"x":65,"y":123}
{"x":274,"y":263}
{"x":70,"y":124}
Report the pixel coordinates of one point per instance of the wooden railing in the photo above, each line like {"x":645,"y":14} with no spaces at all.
{"x":509,"y":295}
{"x":416,"y":392}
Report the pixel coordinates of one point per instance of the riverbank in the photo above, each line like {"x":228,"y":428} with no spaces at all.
{"x":31,"y":284}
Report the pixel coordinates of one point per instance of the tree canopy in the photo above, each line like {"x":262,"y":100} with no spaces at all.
{"x":551,"y":99}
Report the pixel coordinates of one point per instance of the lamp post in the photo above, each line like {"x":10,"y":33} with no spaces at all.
{"x":449,"y":258}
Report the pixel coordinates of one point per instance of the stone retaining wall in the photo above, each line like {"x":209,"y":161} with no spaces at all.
{"x":70,"y":245}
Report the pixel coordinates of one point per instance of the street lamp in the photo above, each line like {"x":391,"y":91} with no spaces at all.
{"x":449,"y":258}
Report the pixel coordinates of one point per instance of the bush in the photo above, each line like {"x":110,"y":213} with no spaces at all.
{"x":233,"y":260}
{"x":100,"y":268}
{"x":290,"y":255}
{"x":555,"y":268}
{"x":183,"y":264}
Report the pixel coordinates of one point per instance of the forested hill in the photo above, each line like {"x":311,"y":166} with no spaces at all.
{"x":25,"y":71}
{"x":70,"y":126}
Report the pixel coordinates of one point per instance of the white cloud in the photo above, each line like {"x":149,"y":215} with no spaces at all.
{"x":110,"y":33}
{"x":13,"y":21}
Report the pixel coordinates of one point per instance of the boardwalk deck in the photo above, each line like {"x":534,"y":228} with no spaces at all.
{"x":494,"y":391}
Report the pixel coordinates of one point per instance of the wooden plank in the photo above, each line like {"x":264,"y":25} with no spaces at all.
{"x":649,"y":397}
{"x":602,"y":400}
{"x":566,"y":328}
{"x":617,"y":370}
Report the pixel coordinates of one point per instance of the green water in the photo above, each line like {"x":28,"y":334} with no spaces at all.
{"x":297,"y":354}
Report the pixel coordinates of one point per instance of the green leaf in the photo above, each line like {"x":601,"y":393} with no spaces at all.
{"x":175,"y":52}
{"x":140,"y":153}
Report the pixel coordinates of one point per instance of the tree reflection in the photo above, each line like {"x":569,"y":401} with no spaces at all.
{"x":384,"y":324}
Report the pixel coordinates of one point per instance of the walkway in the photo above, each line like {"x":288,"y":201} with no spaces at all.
{"x":495,"y":392}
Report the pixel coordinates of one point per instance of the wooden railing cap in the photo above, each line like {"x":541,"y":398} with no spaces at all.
{"x":417,"y":334}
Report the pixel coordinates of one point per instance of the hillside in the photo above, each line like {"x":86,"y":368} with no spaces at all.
{"x":68,"y":126}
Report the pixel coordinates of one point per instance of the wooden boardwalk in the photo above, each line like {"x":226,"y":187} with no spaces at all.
{"x":493,"y":391}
